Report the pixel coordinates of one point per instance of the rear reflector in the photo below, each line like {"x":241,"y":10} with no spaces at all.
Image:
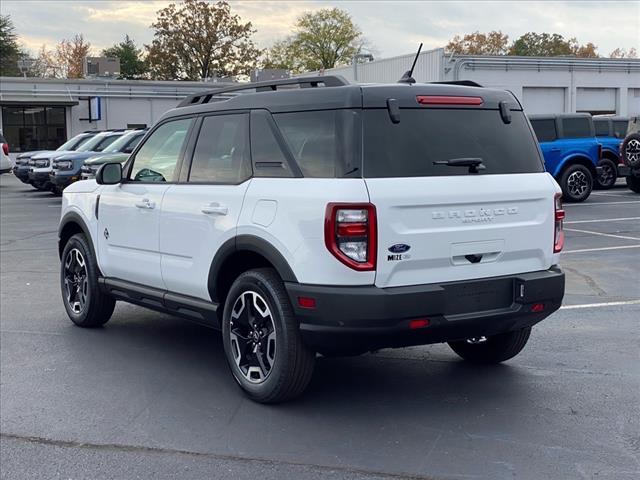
{"x":537,"y":307}
{"x":418,"y":323}
{"x":446,"y":100}
{"x":307,"y":302}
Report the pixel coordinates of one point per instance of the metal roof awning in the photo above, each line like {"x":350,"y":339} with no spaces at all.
{"x":39,"y":101}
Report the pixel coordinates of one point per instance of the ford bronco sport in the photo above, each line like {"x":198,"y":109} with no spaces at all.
{"x":311,"y":215}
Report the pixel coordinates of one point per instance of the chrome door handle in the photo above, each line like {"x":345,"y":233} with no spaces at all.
{"x":215,"y":209}
{"x":146,"y":203}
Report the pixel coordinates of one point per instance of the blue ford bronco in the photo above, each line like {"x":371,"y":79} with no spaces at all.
{"x":571,"y":151}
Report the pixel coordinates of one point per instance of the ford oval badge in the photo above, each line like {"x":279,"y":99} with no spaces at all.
{"x":399,"y":248}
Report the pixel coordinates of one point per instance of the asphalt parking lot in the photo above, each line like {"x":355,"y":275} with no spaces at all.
{"x":150,"y":396}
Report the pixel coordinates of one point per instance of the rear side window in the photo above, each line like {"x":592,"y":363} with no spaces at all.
{"x":323,"y":143}
{"x":410,"y":148}
{"x":2,"y":140}
{"x":545,"y":130}
{"x":268,"y":158}
{"x":602,"y":128}
{"x":576,"y":127}
{"x":222,"y":150}
{"x":620,"y":128}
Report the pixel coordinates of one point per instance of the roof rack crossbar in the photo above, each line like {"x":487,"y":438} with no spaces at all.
{"x":268,"y":86}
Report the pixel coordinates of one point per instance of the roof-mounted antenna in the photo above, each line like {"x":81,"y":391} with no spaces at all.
{"x":407,"y":77}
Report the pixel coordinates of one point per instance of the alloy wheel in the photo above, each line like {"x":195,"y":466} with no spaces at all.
{"x":607,"y":176}
{"x":577,"y":183}
{"x":632,"y":152}
{"x":76,"y":281}
{"x":253,"y":337}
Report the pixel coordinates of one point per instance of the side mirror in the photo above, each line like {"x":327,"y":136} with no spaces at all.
{"x":109,"y":174}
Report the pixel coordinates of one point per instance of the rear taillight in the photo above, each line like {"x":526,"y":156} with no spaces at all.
{"x":350,"y":234}
{"x":558,"y":236}
{"x":5,"y":148}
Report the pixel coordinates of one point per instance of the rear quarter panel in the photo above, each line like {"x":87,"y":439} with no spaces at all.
{"x":289,"y":213}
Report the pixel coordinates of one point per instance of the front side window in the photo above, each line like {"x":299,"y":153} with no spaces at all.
{"x":576,"y":127}
{"x":222,"y":150}
{"x":545,"y":130}
{"x":157,"y":159}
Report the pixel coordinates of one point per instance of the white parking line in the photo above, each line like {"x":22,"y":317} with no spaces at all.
{"x":600,"y":249}
{"x":623,"y":237}
{"x":612,"y":194}
{"x":603,"y":220}
{"x":599,"y":203}
{"x":596,"y":305}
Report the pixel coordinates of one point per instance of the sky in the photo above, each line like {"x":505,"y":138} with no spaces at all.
{"x":390,"y":27}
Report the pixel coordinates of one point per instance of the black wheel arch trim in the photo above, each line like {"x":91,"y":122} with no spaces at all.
{"x":73,"y":217}
{"x":250,"y":243}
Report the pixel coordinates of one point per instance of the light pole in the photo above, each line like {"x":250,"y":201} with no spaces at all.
{"x":354,"y":62}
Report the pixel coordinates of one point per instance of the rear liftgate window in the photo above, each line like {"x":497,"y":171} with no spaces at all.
{"x":410,"y":148}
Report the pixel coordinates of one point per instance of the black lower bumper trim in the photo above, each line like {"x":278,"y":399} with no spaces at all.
{"x":368,"y":318}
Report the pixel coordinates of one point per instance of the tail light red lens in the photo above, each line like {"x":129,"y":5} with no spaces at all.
{"x":350,"y":234}
{"x":448,"y":100}
{"x":419,"y":323}
{"x":558,"y":236}
{"x":5,"y":148}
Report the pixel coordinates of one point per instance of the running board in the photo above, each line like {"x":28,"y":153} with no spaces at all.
{"x":191,"y":308}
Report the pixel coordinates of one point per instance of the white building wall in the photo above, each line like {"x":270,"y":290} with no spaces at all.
{"x":389,"y":70}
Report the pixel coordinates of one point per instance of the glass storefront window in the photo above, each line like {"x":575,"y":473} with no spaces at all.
{"x":34,"y":127}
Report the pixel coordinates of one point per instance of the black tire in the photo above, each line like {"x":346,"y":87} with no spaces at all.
{"x":633,"y":183}
{"x":87,"y":306}
{"x":609,"y":175}
{"x":576,"y":183}
{"x":494,"y":349}
{"x":38,"y":186}
{"x":258,"y":297}
{"x":631,"y":150}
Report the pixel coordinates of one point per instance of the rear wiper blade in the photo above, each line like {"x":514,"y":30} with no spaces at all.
{"x":474,"y":164}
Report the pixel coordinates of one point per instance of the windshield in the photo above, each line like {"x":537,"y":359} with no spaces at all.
{"x":123,"y":141}
{"x":98,"y":143}
{"x":410,"y":148}
{"x":74,"y":143}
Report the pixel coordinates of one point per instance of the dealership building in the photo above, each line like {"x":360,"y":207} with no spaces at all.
{"x":41,"y":113}
{"x":38,"y":113}
{"x":542,"y":84}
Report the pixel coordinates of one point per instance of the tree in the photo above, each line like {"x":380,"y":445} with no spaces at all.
{"x":10,"y":51}
{"x":476,"y":43}
{"x":322,"y":39}
{"x":623,"y":53}
{"x":70,"y":56}
{"x":198,"y":40}
{"x":131,"y":63}
{"x":550,"y":45}
{"x":45,"y":64}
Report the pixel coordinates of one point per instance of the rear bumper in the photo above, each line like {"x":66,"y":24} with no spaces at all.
{"x":369,"y":318}
{"x":627,"y":171}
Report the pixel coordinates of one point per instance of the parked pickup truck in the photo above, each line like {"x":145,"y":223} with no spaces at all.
{"x":630,"y":153}
{"x":571,"y":151}
{"x":610,"y":131}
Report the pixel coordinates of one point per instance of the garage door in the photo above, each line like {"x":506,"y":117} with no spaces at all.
{"x":633,"y":99}
{"x":596,"y":100}
{"x":543,"y":99}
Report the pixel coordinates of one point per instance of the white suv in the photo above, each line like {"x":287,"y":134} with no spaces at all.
{"x":332,"y":219}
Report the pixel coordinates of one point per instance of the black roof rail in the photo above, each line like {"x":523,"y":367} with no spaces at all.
{"x":466,"y":83}
{"x":267,"y":86}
